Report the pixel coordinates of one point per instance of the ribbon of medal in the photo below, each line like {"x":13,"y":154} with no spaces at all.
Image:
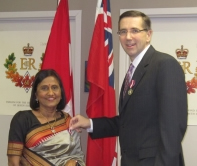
{"x":130,"y":91}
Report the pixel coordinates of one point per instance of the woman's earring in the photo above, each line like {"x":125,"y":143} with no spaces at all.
{"x":37,"y":101}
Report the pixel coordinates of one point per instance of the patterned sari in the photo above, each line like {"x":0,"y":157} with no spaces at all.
{"x":38,"y":145}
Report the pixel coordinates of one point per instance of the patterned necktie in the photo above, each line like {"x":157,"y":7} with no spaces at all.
{"x":128,"y":79}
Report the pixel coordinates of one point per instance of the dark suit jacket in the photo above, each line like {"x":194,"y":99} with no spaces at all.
{"x":153,"y":119}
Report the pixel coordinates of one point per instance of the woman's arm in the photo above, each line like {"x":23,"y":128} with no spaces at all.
{"x":13,"y":160}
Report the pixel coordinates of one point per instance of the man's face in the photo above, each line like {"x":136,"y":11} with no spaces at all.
{"x":134,"y":43}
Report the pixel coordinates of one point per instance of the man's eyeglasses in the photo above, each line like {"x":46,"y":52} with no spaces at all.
{"x":133,"y":31}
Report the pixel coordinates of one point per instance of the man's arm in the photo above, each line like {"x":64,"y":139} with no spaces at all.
{"x":105,"y":127}
{"x":102,"y":127}
{"x":172,"y":98}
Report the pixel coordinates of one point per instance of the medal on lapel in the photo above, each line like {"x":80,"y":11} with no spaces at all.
{"x":130,"y":91}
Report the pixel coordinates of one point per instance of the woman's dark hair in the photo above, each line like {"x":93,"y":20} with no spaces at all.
{"x":40,"y":76}
{"x":134,"y":13}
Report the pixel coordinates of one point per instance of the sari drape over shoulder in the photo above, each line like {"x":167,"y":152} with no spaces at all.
{"x":39,"y":146}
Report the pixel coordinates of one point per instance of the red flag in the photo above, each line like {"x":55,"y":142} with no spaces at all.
{"x":57,"y":53}
{"x":100,"y":75}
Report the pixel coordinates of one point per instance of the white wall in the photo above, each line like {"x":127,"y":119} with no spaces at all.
{"x":190,"y":146}
{"x":4,"y":128}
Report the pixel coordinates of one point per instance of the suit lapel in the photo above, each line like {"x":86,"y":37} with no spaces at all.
{"x":138,"y":76}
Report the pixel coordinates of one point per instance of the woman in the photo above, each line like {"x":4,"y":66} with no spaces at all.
{"x":40,"y":136}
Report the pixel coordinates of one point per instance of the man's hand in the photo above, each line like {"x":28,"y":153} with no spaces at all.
{"x":78,"y":122}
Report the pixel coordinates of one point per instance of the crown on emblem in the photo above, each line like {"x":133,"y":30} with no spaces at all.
{"x":182,"y":53}
{"x":28,"y":50}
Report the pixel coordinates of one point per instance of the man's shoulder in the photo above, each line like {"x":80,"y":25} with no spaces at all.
{"x":163,"y":56}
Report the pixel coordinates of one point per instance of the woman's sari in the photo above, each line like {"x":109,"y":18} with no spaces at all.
{"x":38,"y":145}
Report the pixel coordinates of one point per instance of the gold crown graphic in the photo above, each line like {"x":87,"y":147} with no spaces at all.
{"x":28,"y":50}
{"x":182,"y":53}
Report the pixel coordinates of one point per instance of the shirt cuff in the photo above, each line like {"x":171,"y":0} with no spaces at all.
{"x":90,"y":129}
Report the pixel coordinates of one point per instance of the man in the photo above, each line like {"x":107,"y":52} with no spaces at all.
{"x":152,"y":109}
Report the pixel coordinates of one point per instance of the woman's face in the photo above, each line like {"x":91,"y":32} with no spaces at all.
{"x":48,"y":93}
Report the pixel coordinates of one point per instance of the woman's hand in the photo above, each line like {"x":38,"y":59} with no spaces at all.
{"x":71,"y":162}
{"x":13,"y":160}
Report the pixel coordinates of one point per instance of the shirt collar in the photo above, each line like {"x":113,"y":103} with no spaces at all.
{"x":139,"y":57}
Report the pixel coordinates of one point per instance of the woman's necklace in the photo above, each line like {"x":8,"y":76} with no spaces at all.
{"x":51,"y":126}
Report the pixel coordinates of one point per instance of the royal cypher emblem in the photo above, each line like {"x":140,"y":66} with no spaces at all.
{"x":22,"y":81}
{"x":182,"y":53}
